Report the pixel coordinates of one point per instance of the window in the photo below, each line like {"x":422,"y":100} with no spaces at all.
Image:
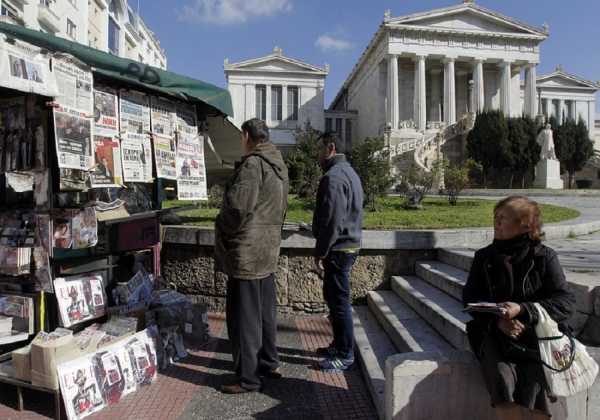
{"x":71,"y":29}
{"x":261,"y":102}
{"x":293,"y":102}
{"x":338,"y":126}
{"x":8,"y":10}
{"x":328,"y":125}
{"x":113,"y":36}
{"x":348,"y":134}
{"x":276,"y":105}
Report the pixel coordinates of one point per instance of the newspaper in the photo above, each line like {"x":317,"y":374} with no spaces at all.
{"x":163,"y":117}
{"x":106,"y":111}
{"x":12,"y":132}
{"x":20,"y":182}
{"x":107,"y":154}
{"x":164,"y":156}
{"x":15,"y":261}
{"x":186,"y":121}
{"x":80,"y":298}
{"x":41,"y":191}
{"x":42,"y":273}
{"x":24,"y":68}
{"x":17,"y":229}
{"x":73,"y":179}
{"x":191,"y":179}
{"x":134,"y":112}
{"x":95,"y":381}
{"x":43,"y":227}
{"x":136,"y":154}
{"x":72,"y":119}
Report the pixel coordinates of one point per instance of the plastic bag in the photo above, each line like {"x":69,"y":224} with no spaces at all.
{"x":568,"y":367}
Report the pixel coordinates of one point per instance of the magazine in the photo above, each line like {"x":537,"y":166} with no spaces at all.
{"x":485,"y":307}
{"x":80,"y":298}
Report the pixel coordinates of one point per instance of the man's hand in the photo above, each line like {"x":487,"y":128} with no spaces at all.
{"x":512,"y":328}
{"x":319,"y":263}
{"x":511,"y":310}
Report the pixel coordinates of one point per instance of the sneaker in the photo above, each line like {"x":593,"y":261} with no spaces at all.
{"x":326,"y":351}
{"x":336,"y":364}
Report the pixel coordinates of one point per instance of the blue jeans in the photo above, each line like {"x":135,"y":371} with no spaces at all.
{"x":336,"y":292}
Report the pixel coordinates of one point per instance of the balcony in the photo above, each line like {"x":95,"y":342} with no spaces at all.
{"x":48,"y":18}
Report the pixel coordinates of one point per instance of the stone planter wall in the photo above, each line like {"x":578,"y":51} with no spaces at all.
{"x":189,"y":269}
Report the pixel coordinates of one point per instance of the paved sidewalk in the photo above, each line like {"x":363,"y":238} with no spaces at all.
{"x":189,"y":390}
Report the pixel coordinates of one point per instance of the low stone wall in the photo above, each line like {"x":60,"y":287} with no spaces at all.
{"x":190,"y":269}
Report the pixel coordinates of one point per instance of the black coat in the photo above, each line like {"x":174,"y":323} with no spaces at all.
{"x":541,"y":280}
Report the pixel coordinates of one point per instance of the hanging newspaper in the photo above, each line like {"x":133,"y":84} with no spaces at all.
{"x":106,"y":116}
{"x":164,"y":156}
{"x":136,"y":154}
{"x":72,"y":118}
{"x":163,"y":117}
{"x":191,"y":179}
{"x":107,"y":154}
{"x":134,"y":112}
{"x":24,"y":68}
{"x":94,"y":381}
{"x":80,"y":298}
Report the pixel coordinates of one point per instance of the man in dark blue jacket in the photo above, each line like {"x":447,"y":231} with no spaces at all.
{"x":337,"y":226}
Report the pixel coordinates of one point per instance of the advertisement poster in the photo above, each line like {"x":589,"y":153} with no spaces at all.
{"x":136,"y":155}
{"x":135,"y":112}
{"x":24,"y":68}
{"x":72,"y":119}
{"x":163,"y":117}
{"x":80,"y":298}
{"x":164,"y":156}
{"x":191,"y":180}
{"x":106,"y":117}
{"x":101,"y":379}
{"x":107,"y":154}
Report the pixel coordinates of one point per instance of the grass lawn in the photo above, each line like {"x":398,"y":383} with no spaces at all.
{"x":436,"y":214}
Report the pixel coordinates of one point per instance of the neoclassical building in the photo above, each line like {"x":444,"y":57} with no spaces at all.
{"x":285,"y":92}
{"x":426,"y":71}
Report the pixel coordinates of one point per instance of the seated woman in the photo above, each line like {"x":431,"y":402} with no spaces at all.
{"x":515,"y":271}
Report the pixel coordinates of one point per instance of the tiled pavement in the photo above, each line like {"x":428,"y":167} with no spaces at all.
{"x":189,"y":390}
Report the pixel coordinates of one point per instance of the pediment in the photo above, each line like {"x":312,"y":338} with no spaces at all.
{"x":564,"y":81}
{"x":275,"y":63}
{"x":468,"y":18}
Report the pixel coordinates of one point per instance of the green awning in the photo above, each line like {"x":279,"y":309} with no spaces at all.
{"x":128,"y":71}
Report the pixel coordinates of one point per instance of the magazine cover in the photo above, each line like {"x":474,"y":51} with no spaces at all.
{"x":81,"y":392}
{"x":106,"y":112}
{"x":80,"y":298}
{"x":84,"y":226}
{"x":107,"y":154}
{"x":191,"y":170}
{"x":142,"y":354}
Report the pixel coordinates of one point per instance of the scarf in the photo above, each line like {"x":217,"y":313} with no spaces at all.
{"x":510,"y":258}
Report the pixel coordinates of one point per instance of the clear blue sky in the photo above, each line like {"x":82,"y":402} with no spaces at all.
{"x":198,"y":34}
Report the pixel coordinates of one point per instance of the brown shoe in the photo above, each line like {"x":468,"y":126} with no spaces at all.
{"x":235,"y":389}
{"x":272,"y":374}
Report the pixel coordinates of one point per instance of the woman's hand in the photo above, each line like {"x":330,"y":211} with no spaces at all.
{"x":511,"y":309}
{"x":511,"y":327}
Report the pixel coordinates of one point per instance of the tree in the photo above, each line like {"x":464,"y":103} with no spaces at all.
{"x":371,"y":160}
{"x":573,"y":147}
{"x":488,"y":143}
{"x":456,"y":178}
{"x":418,"y":183}
{"x":525,"y":151}
{"x":302,"y":163}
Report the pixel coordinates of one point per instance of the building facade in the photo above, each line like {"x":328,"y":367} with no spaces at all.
{"x":108,"y":25}
{"x":285,"y":92}
{"x":425,"y":71}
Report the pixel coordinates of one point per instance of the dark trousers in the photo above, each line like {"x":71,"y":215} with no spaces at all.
{"x":251,"y":309}
{"x":336,"y":292}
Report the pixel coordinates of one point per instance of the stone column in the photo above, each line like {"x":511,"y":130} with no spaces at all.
{"x":268,"y":115}
{"x":393,"y":100}
{"x":449,"y":92}
{"x":561,"y":111}
{"x":436,"y":95}
{"x":505,"y":87}
{"x":549,"y":106}
{"x":591,"y":119}
{"x":478,"y":87}
{"x":531,"y":90}
{"x":285,"y":112}
{"x":420,"y":99}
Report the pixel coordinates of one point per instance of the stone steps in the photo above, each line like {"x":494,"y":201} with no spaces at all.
{"x":457,"y":257}
{"x":406,"y":329}
{"x":441,"y":311}
{"x":372,"y":349}
{"x":447,"y":278}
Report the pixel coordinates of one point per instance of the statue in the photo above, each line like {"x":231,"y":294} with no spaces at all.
{"x":546,"y":140}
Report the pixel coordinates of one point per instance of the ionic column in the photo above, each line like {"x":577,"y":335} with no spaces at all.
{"x":549,"y":106}
{"x":436,"y":95}
{"x":284,"y":104}
{"x":268,"y":115}
{"x":449,"y":92}
{"x":420,"y":99}
{"x":393,"y":105}
{"x":478,"y":87}
{"x":561,"y":111}
{"x":531,"y":90}
{"x":505,"y":87}
{"x":591,"y":118}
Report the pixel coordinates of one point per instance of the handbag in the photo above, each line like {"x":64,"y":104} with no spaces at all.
{"x":568,"y":367}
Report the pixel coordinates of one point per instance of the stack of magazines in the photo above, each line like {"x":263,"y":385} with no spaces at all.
{"x":486,"y":307}
{"x":5,"y":325}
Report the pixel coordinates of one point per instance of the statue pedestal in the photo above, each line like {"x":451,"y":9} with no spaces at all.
{"x":547,"y":175}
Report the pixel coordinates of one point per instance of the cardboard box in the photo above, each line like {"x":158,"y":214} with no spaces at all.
{"x":47,"y":351}
{"x":21,"y":360}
